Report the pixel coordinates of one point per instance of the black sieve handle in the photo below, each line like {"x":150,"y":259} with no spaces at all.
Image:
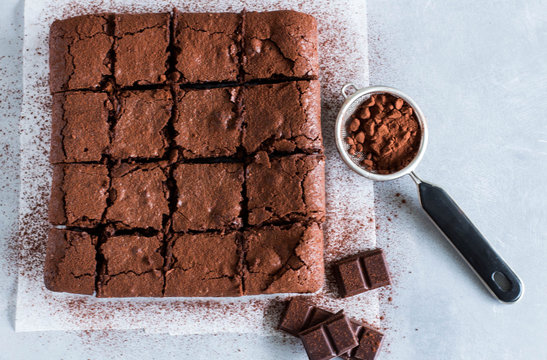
{"x":470,"y":243}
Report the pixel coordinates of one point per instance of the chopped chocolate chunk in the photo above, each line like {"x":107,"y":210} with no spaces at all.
{"x":139,"y":196}
{"x":286,"y":188}
{"x":80,"y":129}
{"x":361,"y":273}
{"x":141,"y":48}
{"x":209,"y":196}
{"x":78,"y":194}
{"x":280,"y":44}
{"x":79,"y":52}
{"x":370,"y":341}
{"x":207,"y":122}
{"x":204,"y":264}
{"x":207,"y":46}
{"x":70,"y":262}
{"x":132,"y":266}
{"x":300,"y":315}
{"x":283,"y":117}
{"x":139,"y":128}
{"x":330,"y":338}
{"x":283,"y":259}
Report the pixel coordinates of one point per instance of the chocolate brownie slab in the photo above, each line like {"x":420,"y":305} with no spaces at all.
{"x":283,"y":117}
{"x":132,"y":266}
{"x":207,"y":122}
{"x":285,"y":188}
{"x":78,"y":194}
{"x":209,"y":196}
{"x":207,"y":46}
{"x":283,"y":259}
{"x":70,"y":262}
{"x":204,"y":264}
{"x":80,"y":128}
{"x":79,"y":52}
{"x":139,"y":196}
{"x":141,"y":48}
{"x":280,"y":44}
{"x":139,"y":131}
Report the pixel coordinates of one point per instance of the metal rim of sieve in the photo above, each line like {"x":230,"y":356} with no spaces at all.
{"x":349,"y":106}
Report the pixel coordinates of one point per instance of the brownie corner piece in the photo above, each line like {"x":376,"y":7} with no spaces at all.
{"x":79,"y":52}
{"x":79,"y":194}
{"x":80,"y":127}
{"x":207,"y":46}
{"x":283,"y":259}
{"x":209,"y":196}
{"x":140,"y":128}
{"x":133,"y":266}
{"x":287,"y":188}
{"x":70,"y":262}
{"x":284,"y":117}
{"x":208,"y":122}
{"x":204,"y":264}
{"x":280,"y":44}
{"x":141,"y":48}
{"x":139,"y":196}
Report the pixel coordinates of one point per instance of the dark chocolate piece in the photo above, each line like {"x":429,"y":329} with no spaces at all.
{"x":208,"y":123}
{"x":132,"y":266}
{"x":204,"y":264}
{"x":283,"y":259}
{"x":370,"y":341}
{"x":300,"y":315}
{"x":70,"y":262}
{"x":330,"y":338}
{"x":280,"y":44}
{"x":139,"y":131}
{"x":141,"y":48}
{"x":78,"y":194}
{"x":139,"y":196}
{"x":79,"y":52}
{"x":207,"y":46}
{"x":80,"y":128}
{"x":361,"y":273}
{"x":209,"y":196}
{"x":290,"y":188}
{"x":283,"y":117}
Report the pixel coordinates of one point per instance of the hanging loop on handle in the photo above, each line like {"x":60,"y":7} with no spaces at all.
{"x":345,"y":89}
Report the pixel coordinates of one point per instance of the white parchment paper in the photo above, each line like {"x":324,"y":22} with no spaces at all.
{"x":350,"y":198}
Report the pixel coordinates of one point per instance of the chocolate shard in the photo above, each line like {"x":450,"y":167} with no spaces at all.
{"x":369,"y":339}
{"x":361,"y":273}
{"x":300,"y":315}
{"x":330,"y":338}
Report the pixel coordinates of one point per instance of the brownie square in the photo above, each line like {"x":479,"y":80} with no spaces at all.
{"x":283,"y":117}
{"x":78,"y":194}
{"x":209,"y":196}
{"x":208,"y":123}
{"x":80,"y":128}
{"x":140,"y":129}
{"x":283,"y":259}
{"x":139,"y":196}
{"x":207,"y":46}
{"x":204,"y":264}
{"x":79,"y":52}
{"x":141,"y":48}
{"x":70,"y":262}
{"x":280,"y":44}
{"x":290,"y":188}
{"x":132,"y":266}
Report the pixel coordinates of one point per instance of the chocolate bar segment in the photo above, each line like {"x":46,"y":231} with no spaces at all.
{"x":361,"y":273}
{"x":369,"y":339}
{"x":300,"y":315}
{"x":330,"y":338}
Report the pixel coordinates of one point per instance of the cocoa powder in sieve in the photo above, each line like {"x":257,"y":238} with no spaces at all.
{"x":384,"y":131}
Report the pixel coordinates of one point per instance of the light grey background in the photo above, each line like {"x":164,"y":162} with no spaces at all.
{"x":479,"y":72}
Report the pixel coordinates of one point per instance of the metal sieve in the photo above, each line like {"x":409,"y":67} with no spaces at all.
{"x":491,"y":269}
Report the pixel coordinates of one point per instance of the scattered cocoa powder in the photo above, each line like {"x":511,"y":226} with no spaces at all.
{"x":384,"y":131}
